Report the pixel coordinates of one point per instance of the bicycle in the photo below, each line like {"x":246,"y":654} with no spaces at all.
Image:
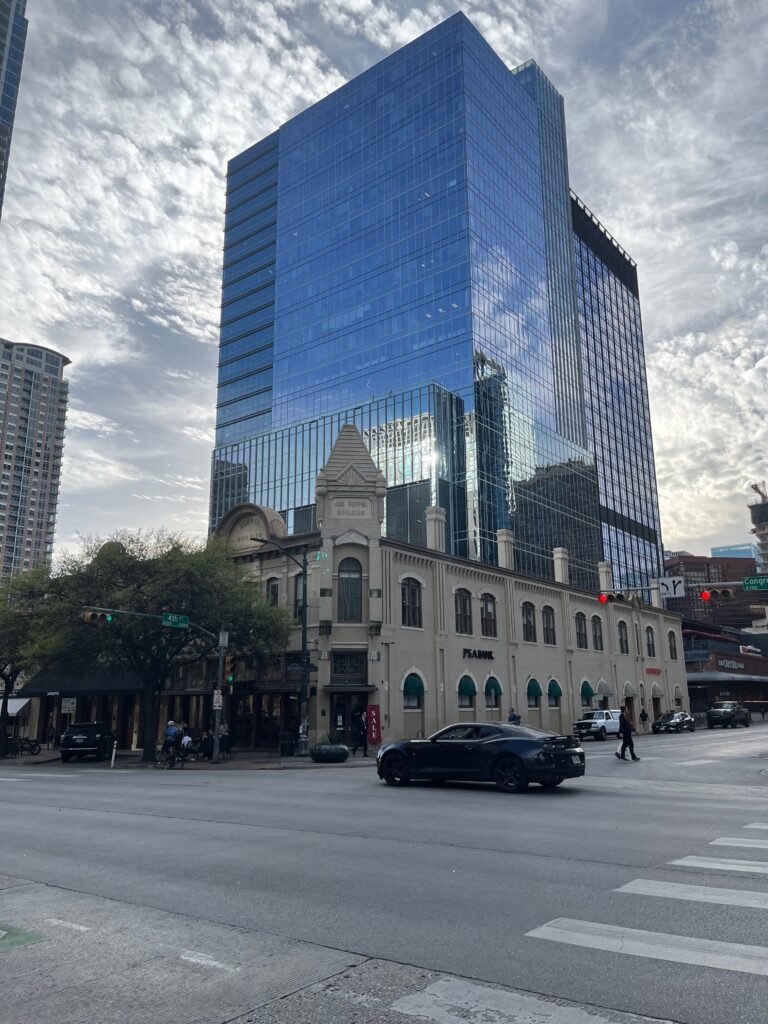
{"x":28,"y":746}
{"x":168,"y":758}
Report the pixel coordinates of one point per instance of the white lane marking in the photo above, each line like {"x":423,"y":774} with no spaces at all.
{"x":681,"y":949}
{"x":744,"y":841}
{"x":67,"y":924}
{"x":697,"y":893}
{"x":206,"y":961}
{"x":757,"y":824}
{"x":757,"y":867}
{"x":693,"y":764}
{"x":653,"y":757}
{"x":46,"y":775}
{"x":452,"y":1001}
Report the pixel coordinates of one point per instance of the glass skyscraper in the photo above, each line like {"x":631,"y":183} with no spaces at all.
{"x":402,"y":256}
{"x":13,"y":37}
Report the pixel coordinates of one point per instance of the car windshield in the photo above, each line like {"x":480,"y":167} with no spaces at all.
{"x":590,"y":715}
{"x":668,"y":717}
{"x":84,"y":727}
{"x":723,"y":706}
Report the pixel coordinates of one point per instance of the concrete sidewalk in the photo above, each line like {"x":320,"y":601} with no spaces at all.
{"x":245,"y":760}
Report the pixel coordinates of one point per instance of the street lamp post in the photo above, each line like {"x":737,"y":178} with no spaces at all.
{"x":302,"y":748}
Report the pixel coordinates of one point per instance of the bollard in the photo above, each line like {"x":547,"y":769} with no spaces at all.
{"x":114,"y":751}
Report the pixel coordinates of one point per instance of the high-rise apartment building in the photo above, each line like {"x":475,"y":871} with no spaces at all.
{"x":13,"y":37}
{"x":736,"y":551}
{"x":405,"y":255}
{"x":33,"y":405}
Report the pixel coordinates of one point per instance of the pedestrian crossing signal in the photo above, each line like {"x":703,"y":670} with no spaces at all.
{"x":97,"y":618}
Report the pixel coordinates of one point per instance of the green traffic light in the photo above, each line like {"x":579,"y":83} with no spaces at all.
{"x":230,"y":679}
{"x":109,"y":616}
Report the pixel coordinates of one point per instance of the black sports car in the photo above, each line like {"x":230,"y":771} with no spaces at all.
{"x":674,"y":721}
{"x":509,"y":755}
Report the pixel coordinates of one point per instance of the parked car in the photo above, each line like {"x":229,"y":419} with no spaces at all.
{"x":509,"y":755}
{"x":86,"y":738}
{"x":728,"y":713}
{"x":597,"y":724}
{"x":674,"y":721}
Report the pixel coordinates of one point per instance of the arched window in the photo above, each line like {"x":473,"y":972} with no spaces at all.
{"x":597,"y":633}
{"x":554,"y":693}
{"x":581,"y":631}
{"x":534,"y":694}
{"x":463,"y":605}
{"x":488,"y":615}
{"x":548,"y":624}
{"x":410,"y":593}
{"x":587,"y":693}
{"x":413,"y":693}
{"x":623,"y":637}
{"x":650,"y":642}
{"x":272,"y":590}
{"x":529,"y":624}
{"x":672,"y":639}
{"x":350,"y":590}
{"x":492,"y":693}
{"x":297,"y":597}
{"x":467,"y":691}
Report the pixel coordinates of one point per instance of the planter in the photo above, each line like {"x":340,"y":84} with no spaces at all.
{"x":329,"y":753}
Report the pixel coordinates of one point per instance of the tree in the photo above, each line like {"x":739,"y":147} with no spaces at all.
{"x":20,"y":598}
{"x":150,"y":574}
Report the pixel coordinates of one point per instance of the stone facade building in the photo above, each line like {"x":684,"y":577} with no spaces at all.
{"x":428,"y":638}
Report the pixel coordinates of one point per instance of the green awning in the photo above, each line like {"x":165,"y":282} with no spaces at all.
{"x":413,"y":686}
{"x":466,"y":687}
{"x":553,"y":690}
{"x":534,"y":690}
{"x":587,"y":691}
{"x":493,"y":686}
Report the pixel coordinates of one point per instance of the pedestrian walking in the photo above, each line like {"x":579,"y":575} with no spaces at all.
{"x":50,"y":736}
{"x":625,"y":732}
{"x":360,"y":728}
{"x":644,"y":720}
{"x":513,"y":718}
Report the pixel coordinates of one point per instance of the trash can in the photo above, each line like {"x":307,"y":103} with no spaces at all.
{"x":287,"y":744}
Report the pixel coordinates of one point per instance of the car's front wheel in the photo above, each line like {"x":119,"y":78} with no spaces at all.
{"x":510,"y":776}
{"x":553,"y":782}
{"x":747,"y":722}
{"x":710,"y":725}
{"x":603,"y":734}
{"x":395,"y":771}
{"x":693,"y":727}
{"x":65,"y":757}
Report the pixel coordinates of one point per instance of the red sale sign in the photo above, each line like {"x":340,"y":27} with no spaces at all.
{"x":374,"y":724}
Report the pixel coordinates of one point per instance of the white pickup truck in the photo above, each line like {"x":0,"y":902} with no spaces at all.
{"x":597,"y":724}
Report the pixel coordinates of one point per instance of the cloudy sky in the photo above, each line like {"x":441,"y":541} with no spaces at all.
{"x":112,"y":225}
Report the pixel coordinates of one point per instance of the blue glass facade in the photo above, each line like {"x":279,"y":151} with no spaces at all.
{"x":13,"y":37}
{"x":400,"y":256}
{"x":616,"y":402}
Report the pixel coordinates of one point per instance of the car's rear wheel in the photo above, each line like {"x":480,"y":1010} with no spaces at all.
{"x":693,"y":727}
{"x":747,"y":723}
{"x":510,"y":776}
{"x":395,"y":771}
{"x":710,"y":725}
{"x":65,"y":757}
{"x":553,"y":782}
{"x":79,"y":756}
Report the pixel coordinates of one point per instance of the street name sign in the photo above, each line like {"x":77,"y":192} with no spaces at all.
{"x":755,"y":582}
{"x":177,"y":621}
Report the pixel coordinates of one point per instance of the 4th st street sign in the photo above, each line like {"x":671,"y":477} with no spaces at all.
{"x":177,"y":621}
{"x":755,"y":583}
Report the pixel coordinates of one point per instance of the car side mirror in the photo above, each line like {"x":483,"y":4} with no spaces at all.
{"x":433,"y":739}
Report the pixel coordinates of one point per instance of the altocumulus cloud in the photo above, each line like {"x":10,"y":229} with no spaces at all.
{"x":112,"y":227}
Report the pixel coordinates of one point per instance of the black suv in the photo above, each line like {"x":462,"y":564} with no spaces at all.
{"x":728,"y":712}
{"x":86,"y":738}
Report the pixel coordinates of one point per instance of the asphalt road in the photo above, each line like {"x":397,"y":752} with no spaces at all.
{"x":642,"y":888}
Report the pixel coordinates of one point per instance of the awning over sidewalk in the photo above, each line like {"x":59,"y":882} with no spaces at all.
{"x":16,"y":705}
{"x":100,"y":681}
{"x":699,"y":678}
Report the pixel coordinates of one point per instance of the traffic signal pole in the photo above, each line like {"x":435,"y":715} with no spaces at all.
{"x":220,"y":685}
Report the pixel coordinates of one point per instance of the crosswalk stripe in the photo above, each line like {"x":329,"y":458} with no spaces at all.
{"x":692,"y":764}
{"x":745,"y":841}
{"x":757,"y":867}
{"x":697,"y":893}
{"x":681,"y":949}
{"x":757,"y":824}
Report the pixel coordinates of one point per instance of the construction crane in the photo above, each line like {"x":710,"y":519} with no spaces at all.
{"x":760,"y":489}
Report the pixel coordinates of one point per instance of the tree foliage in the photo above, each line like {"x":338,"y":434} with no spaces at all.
{"x":151,"y":573}
{"x":20,"y":600}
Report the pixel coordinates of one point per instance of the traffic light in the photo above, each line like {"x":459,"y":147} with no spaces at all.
{"x":724,"y":594}
{"x":229,"y":669}
{"x":612,"y":595}
{"x":97,"y":618}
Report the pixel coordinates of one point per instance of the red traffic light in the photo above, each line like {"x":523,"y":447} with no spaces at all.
{"x":705,"y":595}
{"x":603,"y":599}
